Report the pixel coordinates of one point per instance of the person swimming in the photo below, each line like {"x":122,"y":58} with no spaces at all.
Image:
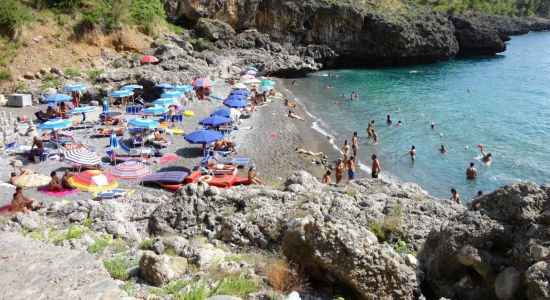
{"x":388,"y":120}
{"x":432,"y":126}
{"x":442,"y":149}
{"x":486,"y":157}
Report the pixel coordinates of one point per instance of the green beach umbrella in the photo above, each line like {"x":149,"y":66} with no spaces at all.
{"x":268,"y":82}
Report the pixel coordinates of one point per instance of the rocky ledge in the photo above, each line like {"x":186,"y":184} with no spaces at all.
{"x":360,"y":240}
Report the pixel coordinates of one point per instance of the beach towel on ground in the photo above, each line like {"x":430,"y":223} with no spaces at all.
{"x":5,"y":209}
{"x":168,"y":158}
{"x":59,"y":194}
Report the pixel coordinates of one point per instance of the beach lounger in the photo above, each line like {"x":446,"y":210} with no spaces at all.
{"x":112,"y":194}
{"x":221,"y":181}
{"x":171,"y":180}
{"x":238,"y":161}
{"x":219,"y":170}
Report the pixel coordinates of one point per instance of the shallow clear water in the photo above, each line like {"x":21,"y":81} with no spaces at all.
{"x":507,"y":109}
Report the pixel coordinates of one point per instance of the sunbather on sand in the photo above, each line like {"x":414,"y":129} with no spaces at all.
{"x":13,"y":177}
{"x":21,"y":203}
{"x":222,"y":145}
{"x":158,"y":137}
{"x":252,"y":179}
{"x":295,"y":116}
{"x":114,"y":121}
{"x":290,"y":104}
{"x":303,"y":151}
{"x":73,"y":146}
{"x":65,"y":179}
{"x":214,"y":166}
{"x":54,"y":183}
{"x":25,"y":171}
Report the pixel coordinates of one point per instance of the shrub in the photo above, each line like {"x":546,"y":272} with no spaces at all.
{"x":118,"y":268}
{"x":73,"y":232}
{"x":197,"y":292}
{"x":146,"y":13}
{"x":13,"y":15}
{"x":100,"y":243}
{"x":93,"y":74}
{"x":129,"y":287}
{"x":72,"y":72}
{"x":283,"y":278}
{"x":88,"y":222}
{"x":235,"y":286}
{"x":146,"y":244}
{"x":5,"y":75}
{"x":119,"y":245}
{"x":22,"y":87}
{"x":390,"y":228}
{"x":174,"y":28}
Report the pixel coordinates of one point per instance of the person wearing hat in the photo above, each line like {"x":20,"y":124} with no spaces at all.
{"x":252,"y":179}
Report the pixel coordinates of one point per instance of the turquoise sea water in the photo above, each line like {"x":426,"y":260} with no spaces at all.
{"x":507,"y":109}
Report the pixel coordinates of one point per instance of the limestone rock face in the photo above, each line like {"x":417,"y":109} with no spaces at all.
{"x":476,"y":37}
{"x":214,"y":30}
{"x":350,"y":257}
{"x":161,"y":269}
{"x":486,"y":253}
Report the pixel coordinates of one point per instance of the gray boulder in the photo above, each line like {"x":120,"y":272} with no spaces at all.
{"x":213,"y":29}
{"x":537,"y":279}
{"x":169,"y":52}
{"x":161,"y":269}
{"x":482,"y":253}
{"x":349,"y":257}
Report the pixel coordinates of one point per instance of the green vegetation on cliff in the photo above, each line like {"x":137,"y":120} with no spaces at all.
{"x":501,"y":7}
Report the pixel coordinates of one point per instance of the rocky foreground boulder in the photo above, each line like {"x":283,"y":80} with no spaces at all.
{"x":498,"y":250}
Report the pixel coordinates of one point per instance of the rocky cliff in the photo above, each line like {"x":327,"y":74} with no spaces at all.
{"x":361,"y":32}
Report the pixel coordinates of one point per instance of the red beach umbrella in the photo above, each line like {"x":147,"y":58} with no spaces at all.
{"x":202,"y":82}
{"x":149,"y":59}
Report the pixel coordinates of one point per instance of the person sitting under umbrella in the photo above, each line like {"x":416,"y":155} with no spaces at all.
{"x":54,"y":184}
{"x":65,"y":179}
{"x":51,"y":112}
{"x":63,"y":109}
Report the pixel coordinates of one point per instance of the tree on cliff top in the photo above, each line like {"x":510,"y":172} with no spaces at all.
{"x":502,"y":7}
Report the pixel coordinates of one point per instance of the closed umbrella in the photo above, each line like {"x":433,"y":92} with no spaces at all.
{"x":131,"y":87}
{"x":171,"y":94}
{"x":202,"y":82}
{"x":74,"y":87}
{"x":235,"y":103}
{"x":83,"y":156}
{"x":144,"y":123}
{"x":55,"y":124}
{"x":203,"y":137}
{"x":113,"y":142}
{"x":155,"y":110}
{"x":93,"y":181}
{"x":182,"y":88}
{"x":165,"y":101}
{"x":149,"y":59}
{"x":215,"y":121}
{"x":55,"y":98}
{"x":130,"y":170}
{"x":32,"y":180}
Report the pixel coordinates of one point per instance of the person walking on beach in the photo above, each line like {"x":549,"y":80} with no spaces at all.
{"x":454,"y":196}
{"x":412,"y":153}
{"x":351,"y":168}
{"x":471,"y":172}
{"x":326,"y":177}
{"x":355,"y":143}
{"x":375,"y":166}
{"x":345,"y":151}
{"x":339,"y":170}
{"x":388,"y":120}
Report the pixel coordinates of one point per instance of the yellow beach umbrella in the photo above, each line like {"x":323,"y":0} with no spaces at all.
{"x":32,"y":180}
{"x":93,"y":181}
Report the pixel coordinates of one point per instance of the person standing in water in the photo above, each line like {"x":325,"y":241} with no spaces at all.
{"x":374,"y":137}
{"x":354,"y":144}
{"x":339,"y":168}
{"x":454,"y":196}
{"x":471,"y":172}
{"x":442,"y":149}
{"x":370,"y":129}
{"x":412,"y":153}
{"x":345,"y":151}
{"x":388,"y":120}
{"x":375,"y":166}
{"x":432,"y":126}
{"x":351,"y":168}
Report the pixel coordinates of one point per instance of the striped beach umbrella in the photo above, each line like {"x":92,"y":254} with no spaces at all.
{"x":113,"y":141}
{"x":93,"y":181}
{"x":32,"y":180}
{"x":131,"y":87}
{"x":252,"y":68}
{"x":83,"y":156}
{"x":55,"y":98}
{"x":55,"y":124}
{"x":202,"y":82}
{"x":144,"y":123}
{"x":164,"y":101}
{"x":74,"y":87}
{"x":130,"y":170}
{"x":155,"y":110}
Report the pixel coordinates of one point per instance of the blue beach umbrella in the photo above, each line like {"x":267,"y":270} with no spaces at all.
{"x":215,"y":121}
{"x":224,"y":112}
{"x":144,"y":123}
{"x":164,"y":101}
{"x":239,"y":92}
{"x":55,"y":98}
{"x":203,"y":136}
{"x":235,"y":103}
{"x":131,"y":87}
{"x":74,"y":87}
{"x":155,"y":110}
{"x":236,"y":97}
{"x":82,"y":110}
{"x":163,"y":86}
{"x":171,"y":94}
{"x":182,"y":88}
{"x":122,"y":93}
{"x":113,"y":142}
{"x":55,"y":124}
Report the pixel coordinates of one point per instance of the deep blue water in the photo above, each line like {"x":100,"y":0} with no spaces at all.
{"x":507,"y":109}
